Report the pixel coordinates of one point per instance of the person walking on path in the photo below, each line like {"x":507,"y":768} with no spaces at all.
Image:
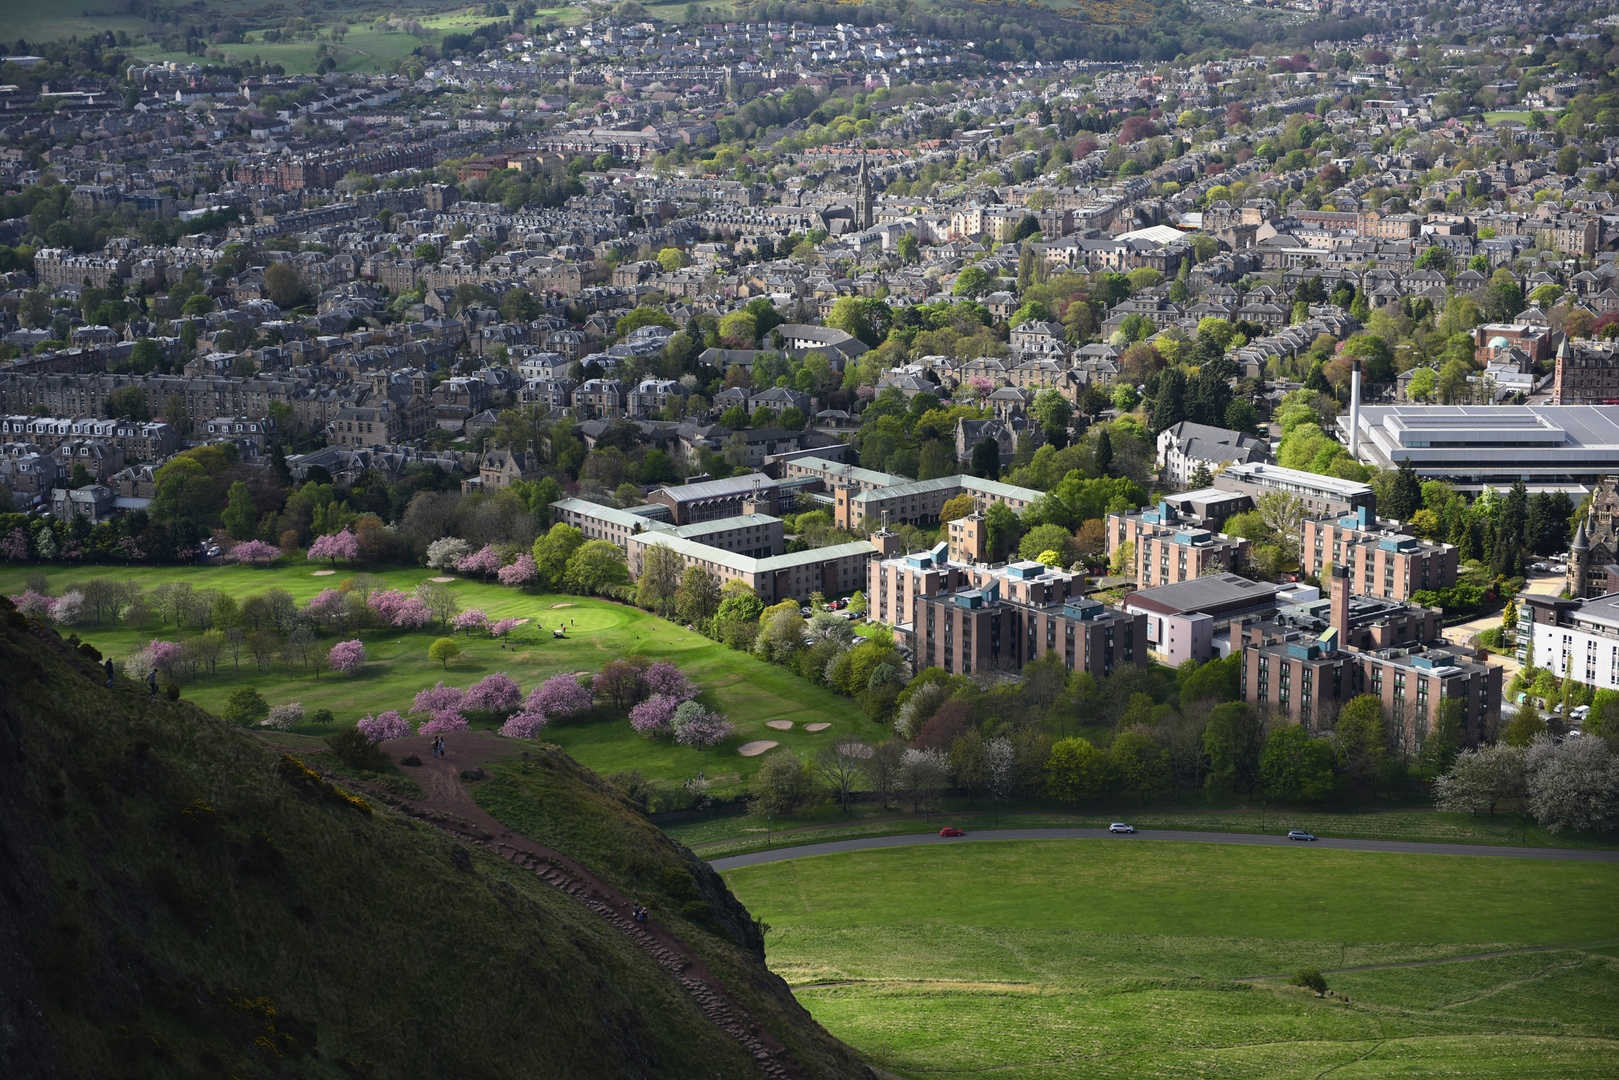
{"x":435,"y":746}
{"x":108,"y":666}
{"x":151,"y":680}
{"x":442,"y":752}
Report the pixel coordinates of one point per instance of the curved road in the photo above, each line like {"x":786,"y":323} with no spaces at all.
{"x":913,"y":839}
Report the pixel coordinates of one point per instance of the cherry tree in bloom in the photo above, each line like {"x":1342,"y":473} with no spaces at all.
{"x":68,"y":608}
{"x":399,"y":609}
{"x":384,"y":726}
{"x":496,"y":693}
{"x":443,"y":721}
{"x":654,"y":715}
{"x":163,"y":656}
{"x":668,"y":680}
{"x":325,"y":605}
{"x":486,"y":562}
{"x":35,"y":605}
{"x":15,"y":545}
{"x":520,"y":574}
{"x":254,"y":551}
{"x":444,"y":554}
{"x":696,"y":726}
{"x":471,"y":619}
{"x":346,"y":657}
{"x":343,"y":545}
{"x":502,"y":628}
{"x":560,"y":695}
{"x":436,"y":699}
{"x":524,"y":725}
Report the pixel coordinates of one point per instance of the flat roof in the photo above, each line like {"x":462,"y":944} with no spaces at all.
{"x":714,"y":489}
{"x":1558,"y":445}
{"x":748,"y":564}
{"x":853,"y":472}
{"x":1261,"y":473}
{"x":627,"y":518}
{"x":1214,"y":594}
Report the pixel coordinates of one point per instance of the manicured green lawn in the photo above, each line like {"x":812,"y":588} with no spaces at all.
{"x":1499,"y":117}
{"x":749,"y":691}
{"x":1090,"y":958}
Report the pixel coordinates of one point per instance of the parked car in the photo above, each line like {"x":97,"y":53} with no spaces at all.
{"x":1121,"y":827}
{"x":951,"y":830}
{"x":1299,"y":834}
{"x":1580,"y":712}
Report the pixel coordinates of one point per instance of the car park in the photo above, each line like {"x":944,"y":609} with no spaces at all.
{"x":1299,"y":834}
{"x":1121,"y":827}
{"x":951,"y":830}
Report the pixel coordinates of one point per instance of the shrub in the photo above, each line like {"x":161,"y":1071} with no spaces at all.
{"x":172,"y":691}
{"x":1310,"y":978}
{"x":696,"y":726}
{"x":323,"y":717}
{"x":245,"y":706}
{"x":383,"y":726}
{"x":355,"y":749}
{"x":284,"y":717}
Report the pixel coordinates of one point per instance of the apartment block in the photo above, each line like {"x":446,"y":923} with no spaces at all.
{"x":1379,"y":558}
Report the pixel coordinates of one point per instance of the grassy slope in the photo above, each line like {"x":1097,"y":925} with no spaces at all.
{"x":749,"y":691}
{"x":1091,"y":959}
{"x":157,"y":950}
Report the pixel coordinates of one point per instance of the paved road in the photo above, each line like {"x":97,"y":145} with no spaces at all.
{"x":1146,"y":835}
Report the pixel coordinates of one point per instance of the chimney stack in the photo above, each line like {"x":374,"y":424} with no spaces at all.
{"x":1354,"y":409}
{"x":1340,"y":604}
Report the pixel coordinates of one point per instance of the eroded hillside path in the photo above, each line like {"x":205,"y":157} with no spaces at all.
{"x":448,"y":805}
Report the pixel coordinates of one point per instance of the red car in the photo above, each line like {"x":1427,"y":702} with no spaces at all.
{"x":951,"y":830}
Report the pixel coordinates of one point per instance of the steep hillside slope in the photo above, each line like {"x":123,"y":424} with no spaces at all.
{"x":177,"y":899}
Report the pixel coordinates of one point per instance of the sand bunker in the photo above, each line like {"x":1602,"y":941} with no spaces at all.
{"x":555,"y":606}
{"x":816,"y":727}
{"x":442,"y":580}
{"x":756,"y":747}
{"x":521,"y":622}
{"x":779,"y":725}
{"x":323,"y":573}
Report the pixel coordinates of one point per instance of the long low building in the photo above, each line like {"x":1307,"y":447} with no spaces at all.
{"x":1319,"y":494}
{"x":839,"y":568}
{"x":917,"y":502}
{"x":1547,"y":447}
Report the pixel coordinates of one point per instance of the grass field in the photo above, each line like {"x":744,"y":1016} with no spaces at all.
{"x":1499,"y":117}
{"x":748,"y":690}
{"x":1091,"y":959}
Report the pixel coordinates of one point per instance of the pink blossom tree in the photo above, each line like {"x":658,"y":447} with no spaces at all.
{"x":68,"y":608}
{"x":164,"y":656}
{"x":400,"y":610}
{"x":668,"y":680}
{"x":561,"y":695}
{"x":696,"y":726}
{"x":384,"y":726}
{"x":654,"y":715}
{"x":15,"y":545}
{"x":254,"y":551}
{"x":326,"y":605}
{"x":502,"y":628}
{"x":525,"y":725}
{"x":471,"y":619}
{"x":437,"y":698}
{"x":346,"y":657}
{"x":443,"y":721}
{"x":485,"y":561}
{"x":33,"y":605}
{"x":520,"y":574}
{"x":334,"y":546}
{"x":494,"y":693}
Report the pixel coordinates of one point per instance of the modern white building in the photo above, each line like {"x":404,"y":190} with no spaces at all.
{"x":1319,"y":494}
{"x":1185,"y":446}
{"x":1578,"y":638}
{"x":1548,"y":447}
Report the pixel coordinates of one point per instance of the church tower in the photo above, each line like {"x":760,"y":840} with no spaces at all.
{"x":864,"y":199}
{"x":1579,"y":554}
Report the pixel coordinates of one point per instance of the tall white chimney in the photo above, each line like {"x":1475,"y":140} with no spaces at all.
{"x":1354,"y":409}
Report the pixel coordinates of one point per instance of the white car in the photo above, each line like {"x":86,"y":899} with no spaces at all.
{"x":1121,"y":827}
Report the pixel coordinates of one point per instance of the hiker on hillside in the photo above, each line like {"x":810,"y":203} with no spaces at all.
{"x":108,"y":666}
{"x":151,"y":680}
